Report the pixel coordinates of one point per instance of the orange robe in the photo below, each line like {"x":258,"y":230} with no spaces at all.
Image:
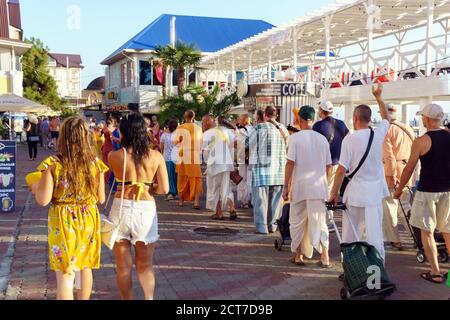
{"x":189,"y":137}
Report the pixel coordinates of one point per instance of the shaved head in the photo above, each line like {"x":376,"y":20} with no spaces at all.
{"x":189,"y":115}
{"x":363,"y":113}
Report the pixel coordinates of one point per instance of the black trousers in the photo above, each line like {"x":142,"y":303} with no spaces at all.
{"x":32,"y":149}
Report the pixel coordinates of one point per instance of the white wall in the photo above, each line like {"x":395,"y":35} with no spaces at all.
{"x":68,"y":81}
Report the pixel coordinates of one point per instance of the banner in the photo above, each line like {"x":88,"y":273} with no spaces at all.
{"x":7,"y":176}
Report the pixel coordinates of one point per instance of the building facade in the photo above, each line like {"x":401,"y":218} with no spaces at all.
{"x":131,"y":76}
{"x":66,"y":69}
{"x":11,"y":48}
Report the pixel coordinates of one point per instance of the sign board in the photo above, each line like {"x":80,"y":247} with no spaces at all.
{"x":277,"y":90}
{"x":7,"y":176}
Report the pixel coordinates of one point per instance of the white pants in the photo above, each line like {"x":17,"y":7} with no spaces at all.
{"x":244,"y":189}
{"x":218,"y":189}
{"x":392,"y":213}
{"x":308,"y":227}
{"x":367,"y":222}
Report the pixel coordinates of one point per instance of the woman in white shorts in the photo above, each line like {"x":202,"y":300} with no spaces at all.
{"x":138,"y":218}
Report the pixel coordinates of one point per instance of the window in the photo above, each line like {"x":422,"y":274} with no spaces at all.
{"x":123,"y":75}
{"x":130,"y":74}
{"x":145,"y":73}
{"x":192,"y":77}
{"x":175,"y":78}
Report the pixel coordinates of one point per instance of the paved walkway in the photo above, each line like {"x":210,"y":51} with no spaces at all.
{"x":191,"y":265}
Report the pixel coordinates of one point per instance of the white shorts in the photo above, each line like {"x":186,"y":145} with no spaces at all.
{"x":139,"y":222}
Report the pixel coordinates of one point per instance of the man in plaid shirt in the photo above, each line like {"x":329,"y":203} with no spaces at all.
{"x":268,"y":144}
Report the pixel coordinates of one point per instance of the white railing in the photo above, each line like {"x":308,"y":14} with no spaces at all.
{"x":399,"y":62}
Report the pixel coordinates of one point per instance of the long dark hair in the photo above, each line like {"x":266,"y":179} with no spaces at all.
{"x":134,"y":135}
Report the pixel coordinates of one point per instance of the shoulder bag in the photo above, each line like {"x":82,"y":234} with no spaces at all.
{"x":108,"y":229}
{"x":349,"y":178}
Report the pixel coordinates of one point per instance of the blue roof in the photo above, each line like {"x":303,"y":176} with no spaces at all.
{"x":208,"y":34}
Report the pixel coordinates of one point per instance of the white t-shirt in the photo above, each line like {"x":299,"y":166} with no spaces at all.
{"x":311,"y":153}
{"x":218,"y":146}
{"x":368,"y":187}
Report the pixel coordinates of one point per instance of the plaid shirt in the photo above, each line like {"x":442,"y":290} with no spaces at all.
{"x":268,"y":155}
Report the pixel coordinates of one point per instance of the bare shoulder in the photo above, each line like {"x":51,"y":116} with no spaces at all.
{"x":156,"y":155}
{"x":423,"y":144}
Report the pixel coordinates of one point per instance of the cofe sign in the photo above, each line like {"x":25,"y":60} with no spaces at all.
{"x":293,"y":89}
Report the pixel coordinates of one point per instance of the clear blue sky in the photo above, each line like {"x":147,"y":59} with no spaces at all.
{"x":106,"y":25}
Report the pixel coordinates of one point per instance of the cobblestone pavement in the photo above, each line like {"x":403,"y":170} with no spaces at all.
{"x":188,"y":264}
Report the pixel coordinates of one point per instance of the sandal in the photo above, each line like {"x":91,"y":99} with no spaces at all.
{"x":397,"y":246}
{"x":298,"y":263}
{"x":323,"y":266}
{"x":197,"y":208}
{"x":214,"y":217}
{"x":432,"y":278}
{"x":233,"y":216}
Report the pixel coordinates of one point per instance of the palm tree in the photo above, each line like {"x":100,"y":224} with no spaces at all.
{"x":180,"y":57}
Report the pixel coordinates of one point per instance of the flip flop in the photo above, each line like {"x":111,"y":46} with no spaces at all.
{"x":431,"y":278}
{"x":197,"y":208}
{"x":233,"y":216}
{"x":214,"y":217}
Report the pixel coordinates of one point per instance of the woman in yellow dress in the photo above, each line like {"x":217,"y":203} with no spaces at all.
{"x":73,"y":183}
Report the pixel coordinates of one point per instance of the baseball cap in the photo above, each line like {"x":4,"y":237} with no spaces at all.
{"x":433,"y":111}
{"x":307,"y":113}
{"x":326,"y":106}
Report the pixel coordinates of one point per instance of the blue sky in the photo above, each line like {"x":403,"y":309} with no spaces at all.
{"x":105,"y":25}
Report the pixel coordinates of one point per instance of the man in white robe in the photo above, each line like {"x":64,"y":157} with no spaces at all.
{"x":218,"y":152}
{"x":244,"y":189}
{"x":309,"y":162}
{"x":366,"y":191}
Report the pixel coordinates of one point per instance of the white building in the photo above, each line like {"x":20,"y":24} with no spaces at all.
{"x":66,"y":70}
{"x":130,"y":76}
{"x":11,"y":48}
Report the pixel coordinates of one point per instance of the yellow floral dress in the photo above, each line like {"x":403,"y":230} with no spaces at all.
{"x":74,"y":239}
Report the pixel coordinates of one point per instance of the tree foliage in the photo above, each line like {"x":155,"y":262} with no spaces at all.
{"x":196,"y":98}
{"x":38,"y":84}
{"x":180,"y":57}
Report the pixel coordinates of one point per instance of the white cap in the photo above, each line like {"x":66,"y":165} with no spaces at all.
{"x":326,"y":106}
{"x":432,"y":111}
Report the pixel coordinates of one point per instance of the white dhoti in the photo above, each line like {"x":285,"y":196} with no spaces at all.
{"x":308,"y":227}
{"x":367,"y":222}
{"x":244,"y":189}
{"x":391,"y":213}
{"x":218,"y":189}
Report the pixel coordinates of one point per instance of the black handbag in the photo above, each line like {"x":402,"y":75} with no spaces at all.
{"x":349,"y":178}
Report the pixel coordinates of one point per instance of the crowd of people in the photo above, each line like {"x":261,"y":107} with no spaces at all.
{"x":267,"y":165}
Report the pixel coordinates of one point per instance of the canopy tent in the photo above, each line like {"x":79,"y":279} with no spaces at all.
{"x":13,"y":103}
{"x":346,"y":21}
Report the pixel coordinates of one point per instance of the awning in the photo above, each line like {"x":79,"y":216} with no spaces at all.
{"x":238,"y":110}
{"x":13,"y":103}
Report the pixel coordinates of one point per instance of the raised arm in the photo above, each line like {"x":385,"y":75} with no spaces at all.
{"x":377,"y":91}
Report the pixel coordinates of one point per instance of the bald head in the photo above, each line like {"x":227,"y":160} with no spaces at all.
{"x":189,"y":115}
{"x":207,"y":122}
{"x":244,"y":120}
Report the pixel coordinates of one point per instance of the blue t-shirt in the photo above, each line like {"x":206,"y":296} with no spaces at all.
{"x":116,"y":134}
{"x":325,"y":128}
